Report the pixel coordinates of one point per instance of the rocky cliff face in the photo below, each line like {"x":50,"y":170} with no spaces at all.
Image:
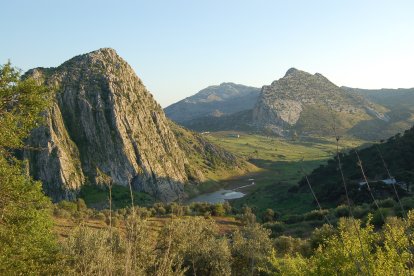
{"x":104,"y":127}
{"x":310,"y":104}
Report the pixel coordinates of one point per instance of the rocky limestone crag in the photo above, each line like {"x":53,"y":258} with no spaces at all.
{"x":104,"y":127}
{"x":299,"y":100}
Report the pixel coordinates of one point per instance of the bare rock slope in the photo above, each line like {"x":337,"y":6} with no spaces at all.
{"x":308,"y":104}
{"x":105,"y":128}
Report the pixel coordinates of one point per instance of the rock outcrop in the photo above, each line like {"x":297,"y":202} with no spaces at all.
{"x":310,"y":104}
{"x":104,"y":128}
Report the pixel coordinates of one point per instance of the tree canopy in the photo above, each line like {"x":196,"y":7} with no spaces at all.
{"x":27,"y":244}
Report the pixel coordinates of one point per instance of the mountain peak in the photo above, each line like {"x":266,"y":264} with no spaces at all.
{"x":103,"y":53}
{"x":102,"y":56}
{"x":295,"y":72}
{"x":291,"y":71}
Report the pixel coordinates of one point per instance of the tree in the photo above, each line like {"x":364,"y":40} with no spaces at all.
{"x":139,"y":246}
{"x":268,"y":215}
{"x":21,"y":104}
{"x":192,"y":244}
{"x":26,"y":243}
{"x":251,"y":245}
{"x":90,"y":252}
{"x":248,"y":217}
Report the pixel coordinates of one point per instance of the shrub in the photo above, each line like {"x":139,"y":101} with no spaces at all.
{"x":276,"y":227}
{"x":320,"y":235}
{"x":342,"y":211}
{"x":286,"y":245}
{"x":81,"y":205}
{"x":247,"y":217}
{"x":361,"y":211}
{"x":218,"y":210}
{"x":316,"y":215}
{"x":61,"y":213}
{"x":379,"y":216}
{"x":250,"y":246}
{"x":386,"y":203}
{"x":290,"y":219}
{"x":69,"y":206}
{"x":268,"y":215}
{"x":99,"y":216}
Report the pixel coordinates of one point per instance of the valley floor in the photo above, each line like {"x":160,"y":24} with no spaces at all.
{"x":281,"y":164}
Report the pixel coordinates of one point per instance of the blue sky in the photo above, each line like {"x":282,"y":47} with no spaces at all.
{"x":179,"y":47}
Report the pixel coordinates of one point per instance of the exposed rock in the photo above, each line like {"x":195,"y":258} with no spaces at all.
{"x":104,"y":127}
{"x":310,"y":104}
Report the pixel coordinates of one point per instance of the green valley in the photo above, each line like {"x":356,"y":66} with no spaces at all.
{"x":281,"y":168}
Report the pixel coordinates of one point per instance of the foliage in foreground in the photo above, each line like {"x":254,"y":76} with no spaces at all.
{"x":193,"y":246}
{"x":27,"y":245}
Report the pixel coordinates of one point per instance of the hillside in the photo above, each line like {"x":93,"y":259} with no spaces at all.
{"x":213,"y":101}
{"x":398,"y":153}
{"x":240,"y":121}
{"x":397,"y":101}
{"x":209,"y":160}
{"x":311,"y":104}
{"x":105,"y":128}
{"x":299,"y":104}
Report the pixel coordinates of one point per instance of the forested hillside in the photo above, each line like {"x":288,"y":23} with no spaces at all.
{"x":396,"y":152}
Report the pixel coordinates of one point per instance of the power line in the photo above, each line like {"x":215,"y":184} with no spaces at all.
{"x":337,"y":138}
{"x":313,"y":193}
{"x":391,"y":178}
{"x":359,"y":163}
{"x":326,"y":218}
{"x":349,"y":205}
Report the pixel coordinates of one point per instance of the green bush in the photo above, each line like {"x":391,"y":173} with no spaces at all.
{"x":320,"y":235}
{"x":379,"y":216}
{"x":99,"y":216}
{"x":81,"y":205}
{"x":268,"y":215}
{"x":408,"y":203}
{"x":286,"y":245}
{"x":361,"y":210}
{"x":342,"y":211}
{"x":61,"y":213}
{"x":218,"y":210}
{"x":290,"y":219}
{"x":316,"y":215}
{"x":69,"y":206}
{"x":277,"y":227}
{"x":386,"y":203}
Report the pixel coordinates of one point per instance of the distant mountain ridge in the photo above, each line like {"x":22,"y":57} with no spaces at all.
{"x":215,"y":101}
{"x":400,"y":106}
{"x":309,"y":104}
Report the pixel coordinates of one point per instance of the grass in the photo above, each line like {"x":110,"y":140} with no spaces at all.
{"x":280,"y":166}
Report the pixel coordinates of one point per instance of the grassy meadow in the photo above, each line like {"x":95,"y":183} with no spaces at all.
{"x":280,"y":167}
